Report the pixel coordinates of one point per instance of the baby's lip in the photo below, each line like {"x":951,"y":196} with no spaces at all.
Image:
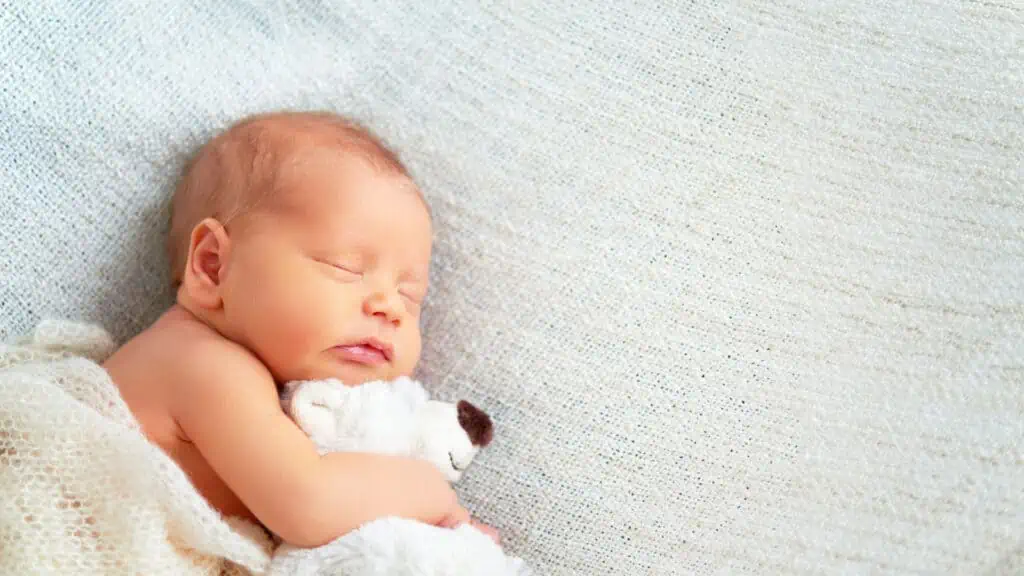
{"x":367,"y":351}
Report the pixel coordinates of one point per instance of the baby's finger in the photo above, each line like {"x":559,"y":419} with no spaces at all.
{"x":461,"y":515}
{"x":456,"y":517}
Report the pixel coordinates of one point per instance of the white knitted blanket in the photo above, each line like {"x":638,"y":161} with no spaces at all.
{"x":84,"y":492}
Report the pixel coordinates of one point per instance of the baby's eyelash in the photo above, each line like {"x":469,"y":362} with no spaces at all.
{"x":342,"y":267}
{"x":414,"y":297}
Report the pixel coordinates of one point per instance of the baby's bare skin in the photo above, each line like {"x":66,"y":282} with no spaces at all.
{"x":325,"y":278}
{"x":148,"y":372}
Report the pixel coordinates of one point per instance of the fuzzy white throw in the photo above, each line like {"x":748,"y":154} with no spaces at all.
{"x":84,"y":491}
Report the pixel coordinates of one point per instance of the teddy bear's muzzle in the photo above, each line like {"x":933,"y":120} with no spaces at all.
{"x":476,"y":423}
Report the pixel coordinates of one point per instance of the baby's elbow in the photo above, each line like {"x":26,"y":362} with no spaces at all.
{"x":300,"y":527}
{"x":305,"y":531}
{"x":306,"y":536}
{"x":311,"y":522}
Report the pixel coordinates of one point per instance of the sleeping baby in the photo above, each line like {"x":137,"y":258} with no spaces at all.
{"x":300,"y":249}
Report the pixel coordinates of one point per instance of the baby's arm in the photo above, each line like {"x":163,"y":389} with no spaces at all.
{"x":229,"y":409}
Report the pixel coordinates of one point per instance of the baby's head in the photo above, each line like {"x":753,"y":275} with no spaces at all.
{"x":303,"y":238}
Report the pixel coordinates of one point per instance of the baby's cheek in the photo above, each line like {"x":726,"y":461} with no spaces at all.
{"x":308,"y":319}
{"x":291,"y":322}
{"x":412,"y":346}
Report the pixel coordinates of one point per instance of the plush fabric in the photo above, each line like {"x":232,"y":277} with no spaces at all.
{"x":393,"y":417}
{"x":741,"y":283}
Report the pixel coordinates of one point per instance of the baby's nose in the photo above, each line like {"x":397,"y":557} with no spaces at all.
{"x":476,"y":423}
{"x":383,"y":306}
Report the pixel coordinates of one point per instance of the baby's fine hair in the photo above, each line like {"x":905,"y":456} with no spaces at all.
{"x":243,"y":164}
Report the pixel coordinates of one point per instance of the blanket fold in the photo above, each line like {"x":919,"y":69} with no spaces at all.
{"x":85,"y":492}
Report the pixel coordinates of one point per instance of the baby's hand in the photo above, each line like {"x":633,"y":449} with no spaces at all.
{"x":459,"y":516}
{"x":456,"y":516}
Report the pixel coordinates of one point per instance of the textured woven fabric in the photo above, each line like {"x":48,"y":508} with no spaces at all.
{"x":742,"y":283}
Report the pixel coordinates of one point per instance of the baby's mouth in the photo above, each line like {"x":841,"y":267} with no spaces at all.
{"x":370,"y":352}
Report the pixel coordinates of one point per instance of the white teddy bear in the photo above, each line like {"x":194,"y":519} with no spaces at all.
{"x":396,"y":418}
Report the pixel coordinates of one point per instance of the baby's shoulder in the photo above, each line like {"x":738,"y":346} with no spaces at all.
{"x":197,"y":361}
{"x":204,"y":355}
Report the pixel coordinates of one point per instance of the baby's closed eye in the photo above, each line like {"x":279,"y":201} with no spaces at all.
{"x":345,"y":270}
{"x":413,"y":294}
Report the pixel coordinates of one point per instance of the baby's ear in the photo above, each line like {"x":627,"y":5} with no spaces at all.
{"x":208,"y":251}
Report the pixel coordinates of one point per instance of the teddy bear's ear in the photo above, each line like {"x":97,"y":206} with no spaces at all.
{"x":476,"y":423}
{"x":312,"y":406}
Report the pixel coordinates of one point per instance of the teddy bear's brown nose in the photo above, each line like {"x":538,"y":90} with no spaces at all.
{"x":476,"y":423}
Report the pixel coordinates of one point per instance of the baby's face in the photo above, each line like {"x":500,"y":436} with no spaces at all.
{"x":329,"y":280}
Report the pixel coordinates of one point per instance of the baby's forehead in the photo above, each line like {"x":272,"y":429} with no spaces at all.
{"x":349,"y":205}
{"x":292,"y":147}
{"x":328,"y":179}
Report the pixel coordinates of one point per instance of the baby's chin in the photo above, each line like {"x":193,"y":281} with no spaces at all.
{"x":349,"y":373}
